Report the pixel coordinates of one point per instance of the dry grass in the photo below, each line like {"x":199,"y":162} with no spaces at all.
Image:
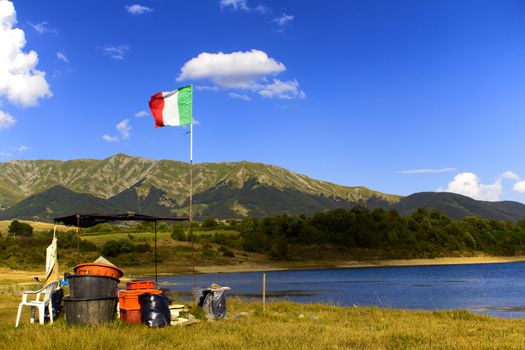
{"x":37,"y":226}
{"x":284,"y":326}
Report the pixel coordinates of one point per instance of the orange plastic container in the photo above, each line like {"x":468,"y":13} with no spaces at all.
{"x":98,"y":269}
{"x":137,"y":284}
{"x":129,"y":299}
{"x":130,"y":316}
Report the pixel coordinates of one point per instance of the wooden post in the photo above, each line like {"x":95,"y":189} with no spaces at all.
{"x":78,"y":234}
{"x":264,"y":292}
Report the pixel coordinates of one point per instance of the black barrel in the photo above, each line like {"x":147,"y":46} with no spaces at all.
{"x":81,"y":311}
{"x":92,"y":286}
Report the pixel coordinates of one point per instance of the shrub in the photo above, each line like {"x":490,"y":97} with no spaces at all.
{"x":207,"y":250}
{"x":178,"y":233}
{"x":17,"y":228}
{"x":226,"y":252}
{"x":163,"y":227}
{"x":114,"y":248}
{"x":209,"y":223}
{"x":142,"y":248}
{"x":87,"y":246}
{"x":123,"y":246}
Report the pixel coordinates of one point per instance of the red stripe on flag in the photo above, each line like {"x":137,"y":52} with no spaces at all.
{"x":156,"y":104}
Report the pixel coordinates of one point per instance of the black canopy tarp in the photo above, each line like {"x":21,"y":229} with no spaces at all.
{"x":89,"y":220}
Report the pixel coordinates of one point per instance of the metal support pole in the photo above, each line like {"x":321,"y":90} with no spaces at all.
{"x":156,"y":282}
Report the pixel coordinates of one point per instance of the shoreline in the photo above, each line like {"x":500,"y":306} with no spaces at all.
{"x":353,"y":264}
{"x":24,"y":277}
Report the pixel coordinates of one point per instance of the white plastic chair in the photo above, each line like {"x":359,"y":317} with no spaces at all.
{"x":47,"y":291}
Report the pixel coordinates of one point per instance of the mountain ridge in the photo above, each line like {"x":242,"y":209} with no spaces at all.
{"x":42,"y":188}
{"x":19,"y":179}
{"x":111,"y":177}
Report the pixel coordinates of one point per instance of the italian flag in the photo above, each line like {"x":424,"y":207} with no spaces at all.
{"x":173,"y":108}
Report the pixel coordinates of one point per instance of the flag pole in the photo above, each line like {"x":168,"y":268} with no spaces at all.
{"x":191,"y":210}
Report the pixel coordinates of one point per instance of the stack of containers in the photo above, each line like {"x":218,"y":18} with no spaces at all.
{"x":93,"y":291}
{"x":130,"y":311}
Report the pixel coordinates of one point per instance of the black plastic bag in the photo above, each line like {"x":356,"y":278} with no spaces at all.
{"x":204,"y":293}
{"x":165,"y":292}
{"x":213,"y":302}
{"x":56,"y":303}
{"x":155,"y":310}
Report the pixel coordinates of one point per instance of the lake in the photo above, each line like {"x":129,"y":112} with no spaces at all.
{"x":494,"y":289}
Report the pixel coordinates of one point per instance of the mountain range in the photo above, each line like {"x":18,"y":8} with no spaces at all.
{"x":43,"y":189}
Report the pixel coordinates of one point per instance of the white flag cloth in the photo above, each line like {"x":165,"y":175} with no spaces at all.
{"x":51,"y":263}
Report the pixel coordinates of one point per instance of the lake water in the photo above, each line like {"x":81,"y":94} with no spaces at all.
{"x":494,"y":289}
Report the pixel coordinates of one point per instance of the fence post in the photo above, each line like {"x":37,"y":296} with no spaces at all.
{"x":264,"y":292}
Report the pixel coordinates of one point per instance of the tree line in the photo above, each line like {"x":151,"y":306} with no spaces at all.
{"x":422,"y":234}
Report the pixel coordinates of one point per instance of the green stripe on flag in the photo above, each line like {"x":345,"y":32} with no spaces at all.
{"x":185,"y":98}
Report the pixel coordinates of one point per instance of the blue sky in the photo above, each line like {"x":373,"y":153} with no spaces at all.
{"x":399,"y":96}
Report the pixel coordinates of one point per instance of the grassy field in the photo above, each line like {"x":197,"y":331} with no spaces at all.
{"x":100,"y":238}
{"x":37,"y":226}
{"x":283,"y":326}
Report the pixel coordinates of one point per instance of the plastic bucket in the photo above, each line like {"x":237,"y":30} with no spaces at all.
{"x":89,"y":311}
{"x":98,"y":269}
{"x":92,"y":286}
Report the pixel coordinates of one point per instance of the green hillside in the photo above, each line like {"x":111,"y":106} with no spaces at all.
{"x":146,"y":185}
{"x":20,"y":179}
{"x":457,"y":206}
{"x":41,"y":190}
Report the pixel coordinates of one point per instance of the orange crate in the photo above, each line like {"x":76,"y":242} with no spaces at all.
{"x":129,"y":299}
{"x":130,"y":316}
{"x":137,"y":284}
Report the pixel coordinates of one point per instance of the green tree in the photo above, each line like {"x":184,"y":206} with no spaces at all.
{"x":209,"y":223}
{"x":17,"y":228}
{"x":114,"y":248}
{"x":178,"y":233}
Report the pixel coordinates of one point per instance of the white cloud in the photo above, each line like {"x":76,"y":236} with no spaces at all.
{"x":109,"y":138}
{"x":141,"y":114}
{"x":6,"y":120}
{"x":124,"y":129}
{"x":469,"y":184}
{"x":20,"y":82}
{"x":231,"y":70}
{"x":519,"y":186}
{"x":426,"y":171}
{"x":261,"y":9}
{"x":282,"y":89}
{"x":239,"y":96}
{"x":138,"y":9}
{"x":509,"y":175}
{"x":206,"y":88}
{"x":117,"y":52}
{"x":61,"y":56}
{"x":242,"y":5}
{"x":20,"y":148}
{"x":244,"y":70}
{"x":235,"y":4}
{"x":283,"y":19}
{"x":196,"y":122}
{"x":43,"y":27}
